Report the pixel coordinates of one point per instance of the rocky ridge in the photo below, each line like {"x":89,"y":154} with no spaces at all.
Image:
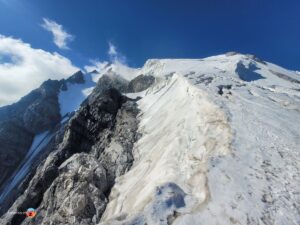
{"x":89,"y":151}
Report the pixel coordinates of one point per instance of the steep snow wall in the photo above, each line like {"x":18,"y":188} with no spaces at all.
{"x":180,"y":130}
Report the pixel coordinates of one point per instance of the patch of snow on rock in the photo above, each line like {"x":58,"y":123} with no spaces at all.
{"x":71,"y":98}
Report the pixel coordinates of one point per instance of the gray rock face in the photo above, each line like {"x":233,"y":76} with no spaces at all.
{"x":76,"y":78}
{"x":13,"y":140}
{"x":72,"y":184}
{"x":140,"y":83}
{"x":111,"y":80}
{"x":117,"y":156}
{"x":20,"y":122}
{"x":77,"y":194}
{"x":36,"y":112}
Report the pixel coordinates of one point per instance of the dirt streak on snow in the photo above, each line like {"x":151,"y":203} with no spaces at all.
{"x":181,"y":128}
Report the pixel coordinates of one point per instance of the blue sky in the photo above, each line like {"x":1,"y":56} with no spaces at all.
{"x":143,"y":29}
{"x":42,"y":39}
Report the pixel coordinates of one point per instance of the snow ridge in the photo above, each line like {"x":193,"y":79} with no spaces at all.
{"x":220,"y":145}
{"x":178,"y":138}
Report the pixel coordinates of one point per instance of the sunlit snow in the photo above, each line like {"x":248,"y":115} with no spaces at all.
{"x":227,"y":148}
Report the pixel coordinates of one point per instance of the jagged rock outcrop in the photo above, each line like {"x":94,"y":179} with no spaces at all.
{"x":37,"y":111}
{"x":111,"y":80}
{"x":96,"y":148}
{"x":76,"y":78}
{"x":117,"y":156}
{"x":19,"y":122}
{"x":78,"y":193}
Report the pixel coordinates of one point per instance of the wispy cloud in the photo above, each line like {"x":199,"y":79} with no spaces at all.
{"x":23,"y":68}
{"x":60,"y":36}
{"x":114,"y":55}
{"x":95,"y":65}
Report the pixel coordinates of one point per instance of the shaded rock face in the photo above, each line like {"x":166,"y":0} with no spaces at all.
{"x":37,"y":111}
{"x":117,"y":157}
{"x":72,"y":184}
{"x":76,"y":78}
{"x":14,"y":139}
{"x":140,"y":83}
{"x":19,"y":122}
{"x":111,"y":81}
{"x":19,"y":180}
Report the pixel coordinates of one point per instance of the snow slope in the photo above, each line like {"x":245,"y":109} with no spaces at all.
{"x":174,"y":152}
{"x":220,"y":145}
{"x":39,"y":142}
{"x":71,"y":98}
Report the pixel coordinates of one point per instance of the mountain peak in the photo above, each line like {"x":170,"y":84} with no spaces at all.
{"x":77,"y":78}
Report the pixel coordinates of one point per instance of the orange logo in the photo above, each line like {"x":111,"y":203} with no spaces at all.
{"x":30,"y":213}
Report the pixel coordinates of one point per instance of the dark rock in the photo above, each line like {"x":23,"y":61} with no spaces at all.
{"x":222,"y":87}
{"x":203,"y":79}
{"x":14,"y":139}
{"x":95,"y":71}
{"x":19,"y":122}
{"x":140,"y":83}
{"x":72,"y":184}
{"x":111,"y":80}
{"x":255,"y":58}
{"x":117,"y":157}
{"x":76,"y":78}
{"x":20,"y":185}
{"x":285,"y":77}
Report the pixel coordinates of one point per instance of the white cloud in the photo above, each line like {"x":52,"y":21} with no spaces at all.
{"x":23,"y":68}
{"x":60,"y":36}
{"x":118,"y":65}
{"x":112,"y":50}
{"x":95,"y":65}
{"x":114,"y":55}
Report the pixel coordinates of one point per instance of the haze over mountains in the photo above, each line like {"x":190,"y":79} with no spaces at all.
{"x":178,"y":141}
